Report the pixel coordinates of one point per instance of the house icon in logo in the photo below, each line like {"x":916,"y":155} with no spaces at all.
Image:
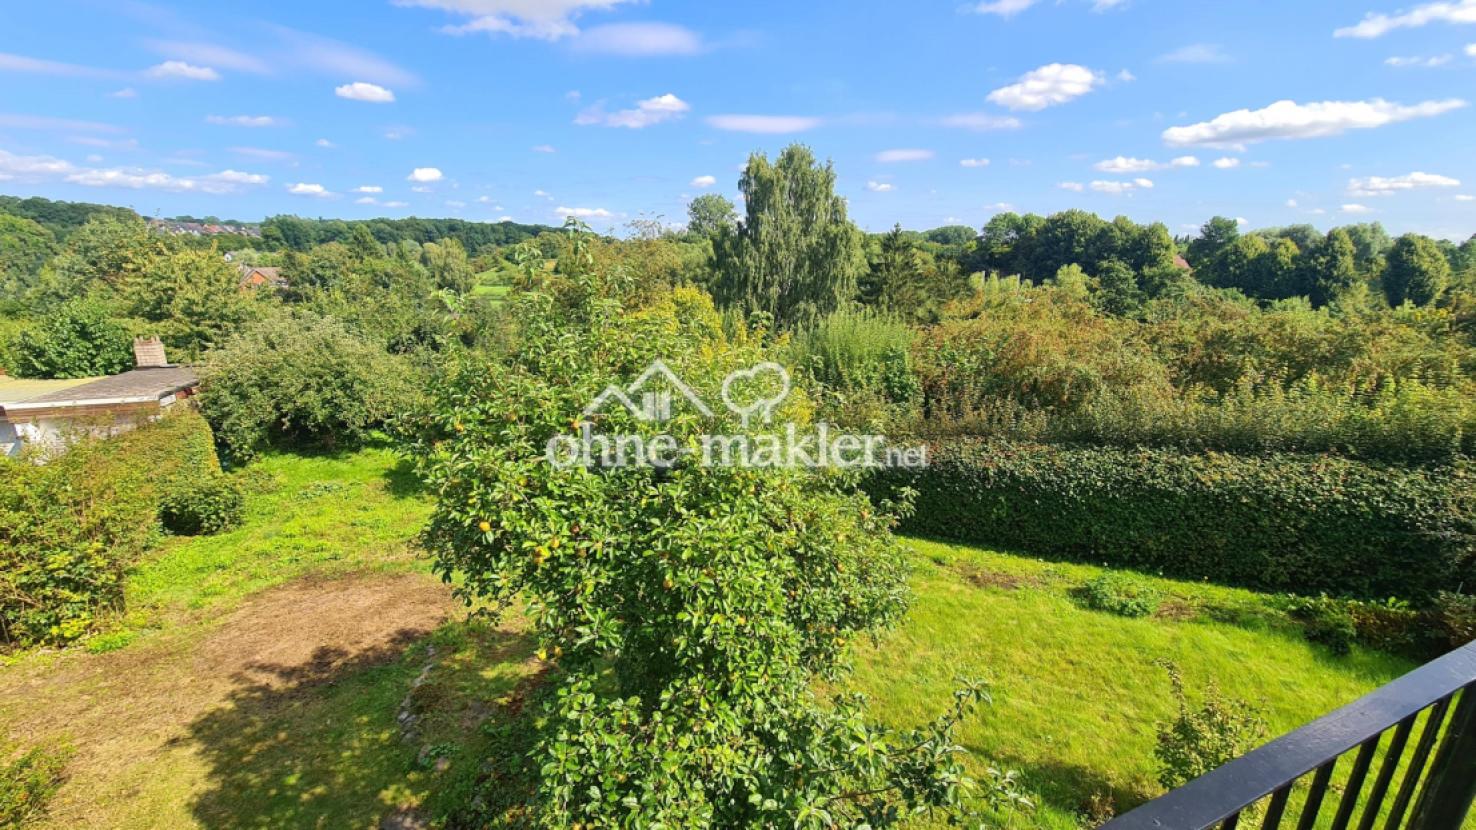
{"x":655,"y":404}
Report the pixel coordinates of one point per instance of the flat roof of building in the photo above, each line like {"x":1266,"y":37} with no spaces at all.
{"x":131,"y":386}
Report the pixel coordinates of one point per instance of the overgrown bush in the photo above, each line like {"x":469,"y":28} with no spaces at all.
{"x":1455,"y":616}
{"x":70,"y":528}
{"x":859,"y":351}
{"x":685,"y":612}
{"x":77,"y":339}
{"x":1307,"y":524}
{"x":1120,"y":594}
{"x":1325,"y":621}
{"x":199,"y":505}
{"x":300,"y":379}
{"x":28,"y":780}
{"x":1204,"y":737}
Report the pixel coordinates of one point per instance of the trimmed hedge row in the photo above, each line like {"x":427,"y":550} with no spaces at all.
{"x":71,"y":528}
{"x":1304,"y":524}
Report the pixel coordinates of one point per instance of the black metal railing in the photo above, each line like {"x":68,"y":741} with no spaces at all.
{"x":1423,"y":777}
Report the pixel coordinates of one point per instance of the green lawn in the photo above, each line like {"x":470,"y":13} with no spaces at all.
{"x":1076,"y":691}
{"x":317,"y":742}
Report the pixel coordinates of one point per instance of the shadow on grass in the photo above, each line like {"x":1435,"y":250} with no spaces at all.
{"x":1070,"y":787}
{"x":322,"y":744}
{"x":401,"y":481}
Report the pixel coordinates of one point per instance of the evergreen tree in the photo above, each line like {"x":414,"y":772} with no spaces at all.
{"x":1332,"y":267}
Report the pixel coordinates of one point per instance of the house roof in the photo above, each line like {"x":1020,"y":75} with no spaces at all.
{"x":16,"y":390}
{"x":136,"y":386}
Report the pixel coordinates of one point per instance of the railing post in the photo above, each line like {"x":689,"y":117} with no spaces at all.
{"x":1450,"y":788}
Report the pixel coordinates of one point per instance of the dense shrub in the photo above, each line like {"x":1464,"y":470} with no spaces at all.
{"x":300,"y":379}
{"x":1455,"y":616}
{"x":1326,"y":621}
{"x":70,"y":528}
{"x":197,"y":505}
{"x":1120,"y":594}
{"x":686,"y":613}
{"x":1205,"y":737}
{"x":28,"y":780}
{"x":1307,"y":524}
{"x":77,"y":339}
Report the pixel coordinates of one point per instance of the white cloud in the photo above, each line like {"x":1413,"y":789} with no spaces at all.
{"x":1378,"y":24}
{"x":38,"y":66}
{"x":901,"y":155}
{"x":646,"y":113}
{"x":1227,"y":163}
{"x":973,"y":163}
{"x":1355,"y":208}
{"x":455,"y":204}
{"x":396,"y":205}
{"x":504,"y":218}
{"x":186,"y":71}
{"x":639,"y":40}
{"x":50,"y":168}
{"x":703,"y":181}
{"x":305,"y":189}
{"x":1074,"y":187}
{"x":543,"y":194}
{"x":1117,"y":188}
{"x":1291,"y":203}
{"x":279,"y":50}
{"x":1003,"y":8}
{"x":253,"y":121}
{"x":211,"y":54}
{"x":1126,"y":76}
{"x":1418,"y":63}
{"x":17,"y":121}
{"x":544,"y":148}
{"x":369,"y":188}
{"x":366,"y":200}
{"x":584,"y":213}
{"x":540,"y":19}
{"x":398,"y":133}
{"x":1123,"y":164}
{"x":1465,"y":197}
{"x":1052,"y":84}
{"x":421,"y":189}
{"x":425,"y":175}
{"x":262,"y":154}
{"x":763,"y":124}
{"x":1471,"y":51}
{"x":879,"y":187}
{"x":366,"y":92}
{"x":1242,"y":221}
{"x":1290,"y":120}
{"x":325,"y":144}
{"x":1196,"y":53}
{"x":981,"y":121}
{"x":125,"y":93}
{"x":1381,"y":186}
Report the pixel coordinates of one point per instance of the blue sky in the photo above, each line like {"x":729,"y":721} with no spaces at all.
{"x":1320,"y":111}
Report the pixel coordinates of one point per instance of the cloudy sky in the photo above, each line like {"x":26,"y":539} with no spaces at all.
{"x":1320,"y":111}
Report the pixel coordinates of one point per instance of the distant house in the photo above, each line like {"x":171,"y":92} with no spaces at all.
{"x":253,"y":277}
{"x":47,"y":413}
{"x":1181,"y":263}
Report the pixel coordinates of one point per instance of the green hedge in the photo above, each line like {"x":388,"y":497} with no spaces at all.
{"x":70,"y":528}
{"x":1305,"y":524}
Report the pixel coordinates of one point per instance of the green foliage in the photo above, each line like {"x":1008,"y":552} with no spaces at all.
{"x":709,"y":214}
{"x":687,"y":612}
{"x":1206,"y":737}
{"x":192,"y":299}
{"x":24,"y":246}
{"x":1417,"y":271}
{"x":77,"y":339}
{"x":1455,"y":616}
{"x":303,"y":379}
{"x":298,"y":234}
{"x":1334,"y":267}
{"x":1120,"y":594}
{"x":907,"y":281}
{"x":1326,"y":621}
{"x":61,"y":218}
{"x":1278,"y":522}
{"x":28,"y":781}
{"x":102,"y":256}
{"x":795,"y":256}
{"x":201,"y":505}
{"x":858,"y":351}
{"x":72,"y":527}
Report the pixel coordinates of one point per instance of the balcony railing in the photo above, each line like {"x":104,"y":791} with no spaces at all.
{"x":1413,"y":750}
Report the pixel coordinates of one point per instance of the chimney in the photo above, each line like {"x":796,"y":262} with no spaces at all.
{"x":148,"y":353}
